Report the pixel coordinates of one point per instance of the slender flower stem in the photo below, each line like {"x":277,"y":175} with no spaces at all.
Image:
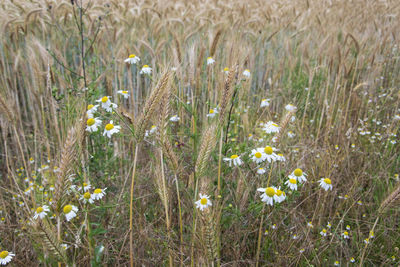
{"x":131,"y":209}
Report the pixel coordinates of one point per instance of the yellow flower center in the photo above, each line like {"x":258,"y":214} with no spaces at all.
{"x":327,"y":181}
{"x":324,"y":231}
{"x":84,"y":184}
{"x":209,"y":58}
{"x":153,"y":126}
{"x":39,"y":210}
{"x":86,"y":195}
{"x":279,"y":192}
{"x":30,"y":159}
{"x":270,"y":191}
{"x":90,"y":106}
{"x":247,"y":70}
{"x":90,"y":122}
{"x":211,"y":111}
{"x":3,"y":254}
{"x":268,"y":150}
{"x":132,"y":56}
{"x":203,"y":201}
{"x":124,"y":92}
{"x":226,"y":69}
{"x":346,"y":233}
{"x":104,"y":99}
{"x":293,"y":181}
{"x":258,"y":155}
{"x":67,"y":209}
{"x":98,"y":191}
{"x":145,"y":66}
{"x":274,"y":124}
{"x":234,"y":156}
{"x":109,"y":127}
{"x":298,"y":172}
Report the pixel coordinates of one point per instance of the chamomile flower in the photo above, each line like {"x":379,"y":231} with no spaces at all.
{"x":125,"y":94}
{"x":336,"y":263}
{"x":204,"y":202}
{"x":87,"y":198}
{"x":329,"y":225}
{"x":98,"y":193}
{"x":132,"y":59}
{"x":290,"y":108}
{"x":292,"y":183}
{"x":92,"y":124}
{"x":299,"y":175}
{"x":246,"y":73}
{"x":261,"y":171}
{"x":31,"y":160}
{"x":280,"y":157}
{"x":267,"y":195}
{"x":70,"y":211}
{"x":41,"y":212}
{"x":326,"y":184}
{"x":212,"y":112}
{"x":234,"y":159}
{"x":226,"y":70}
{"x":174,"y":118}
{"x":279,"y":196}
{"x":91,"y":109}
{"x":264,"y":103}
{"x":309,"y":224}
{"x":210,"y":61}
{"x":352,"y":260}
{"x":371,"y":234}
{"x":323,"y":232}
{"x":146,"y":70}
{"x":345,"y":235}
{"x":366,"y":241}
{"x":271,"y":127}
{"x":111,"y":129}
{"x":85,"y":186}
{"x":152,"y":130}
{"x":257,"y":156}
{"x":6,"y":257}
{"x":64,"y":246}
{"x":269,"y":154}
{"x":106,"y":103}
{"x":290,"y":134}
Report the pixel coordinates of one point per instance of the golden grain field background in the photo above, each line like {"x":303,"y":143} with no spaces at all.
{"x":199,"y":133}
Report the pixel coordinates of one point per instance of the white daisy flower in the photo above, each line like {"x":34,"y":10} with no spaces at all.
{"x":279,"y":195}
{"x":348,"y":227}
{"x":261,"y":171}
{"x":132,"y":59}
{"x":152,"y":130}
{"x":257,"y":156}
{"x":43,"y":168}
{"x":85,"y":186}
{"x":64,"y":246}
{"x":91,"y":109}
{"x":98,"y":193}
{"x":323,"y":232}
{"x":111,"y":129}
{"x":41,"y":212}
{"x":352,"y":260}
{"x":264,"y":103}
{"x":87,"y":198}
{"x":106,"y":103}
{"x":210,"y":61}
{"x":93,"y":124}
{"x":280,"y":157}
{"x":292,"y":183}
{"x":203,"y":202}
{"x":250,"y":136}
{"x":329,"y":225}
{"x":336,"y":263}
{"x":226,"y":70}
{"x":31,"y":160}
{"x":299,"y":175}
{"x":146,"y":70}
{"x":246,"y":73}
{"x":269,"y":154}
{"x":326,"y":184}
{"x":70,"y":212}
{"x":371,"y":234}
{"x":125,"y":94}
{"x":366,"y":240}
{"x":291,"y":134}
{"x":268,"y":195}
{"x":234,"y":159}
{"x":290,"y":108}
{"x":309,"y":224}
{"x":212,"y":112}
{"x":6,"y":257}
{"x":271,"y":127}
{"x":345,"y":235}
{"x":174,"y":118}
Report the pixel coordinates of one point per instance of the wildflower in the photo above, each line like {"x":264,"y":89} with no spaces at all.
{"x":353,"y":145}
{"x":291,"y":134}
{"x":210,"y":61}
{"x":309,"y":224}
{"x":326,"y":184}
{"x":132,"y":59}
{"x":31,"y":160}
{"x":279,"y":195}
{"x":85,"y":187}
{"x":87,"y":198}
{"x":271,"y":127}
{"x":111,"y":129}
{"x":323,"y":232}
{"x":203,"y":202}
{"x":348,"y":227}
{"x":250,"y":136}
{"x":268,"y":195}
{"x":92,"y":124}
{"x":98,"y":193}
{"x":359,"y":202}
{"x":298,"y":175}
{"x":329,"y":225}
{"x":371,"y":234}
{"x":352,"y":260}
{"x":212,"y":112}
{"x":146,"y":70}
{"x":43,"y":168}
{"x":226,"y":70}
{"x":268,"y":152}
{"x":91,"y":109}
{"x":264,"y":103}
{"x":274,"y":226}
{"x":246,"y":73}
{"x":152,"y":130}
{"x":106,"y":103}
{"x":280,"y":157}
{"x":235,"y":159}
{"x":336,"y":263}
{"x":301,"y":250}
{"x":261,"y":171}
{"x":346,"y":235}
{"x":174,"y":118}
{"x":125,"y":94}
{"x":64,"y":246}
{"x":70,"y":212}
{"x":290,"y":108}
{"x":6,"y":257}
{"x":257,"y":156}
{"x":292,"y":183}
{"x":41,"y":212}
{"x":366,"y":241}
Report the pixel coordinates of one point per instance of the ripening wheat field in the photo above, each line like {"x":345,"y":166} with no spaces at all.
{"x":199,"y":133}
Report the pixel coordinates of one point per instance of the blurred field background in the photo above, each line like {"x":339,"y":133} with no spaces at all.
{"x":337,"y":61}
